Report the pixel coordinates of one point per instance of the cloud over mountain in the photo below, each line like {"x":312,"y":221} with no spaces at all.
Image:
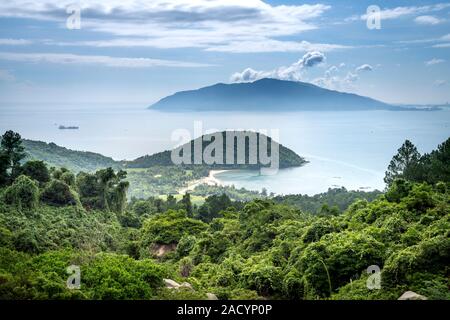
{"x":292,"y":72}
{"x":364,"y":67}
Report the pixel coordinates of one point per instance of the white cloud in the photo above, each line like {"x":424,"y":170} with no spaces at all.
{"x":351,"y":77}
{"x":311,"y":59}
{"x":331,"y":70}
{"x":443,"y":38}
{"x":14,"y":42}
{"x":445,"y":41}
{"x":178,"y":23}
{"x":241,"y":46}
{"x":107,"y":61}
{"x":6,"y":76}
{"x":364,"y":67}
{"x":434,"y":61}
{"x":427,"y":20}
{"x":268,"y":45}
{"x":442,"y":45}
{"x":292,"y":72}
{"x":398,"y":12}
{"x":335,"y":78}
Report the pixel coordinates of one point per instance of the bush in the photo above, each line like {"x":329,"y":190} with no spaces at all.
{"x":331,"y":262}
{"x":170,"y":227}
{"x":432,"y":286}
{"x":58,"y":193}
{"x":185,"y":246}
{"x":68,"y":178}
{"x":318,"y":228}
{"x":143,"y":207}
{"x":263,"y":278}
{"x":398,"y":190}
{"x":293,"y":285}
{"x":36,"y":170}
{"x":430,"y":255}
{"x":5,"y":237}
{"x":118,"y":277}
{"x":23,"y":193}
{"x":129,"y":219}
{"x":420,"y":198}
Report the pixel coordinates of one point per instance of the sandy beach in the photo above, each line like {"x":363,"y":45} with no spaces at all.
{"x":210,"y":180}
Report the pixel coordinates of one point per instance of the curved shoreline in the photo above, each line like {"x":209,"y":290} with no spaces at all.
{"x":210,"y":180}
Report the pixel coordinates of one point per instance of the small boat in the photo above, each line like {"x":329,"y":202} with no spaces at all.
{"x":69,"y":127}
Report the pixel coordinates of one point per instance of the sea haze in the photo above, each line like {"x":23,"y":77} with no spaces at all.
{"x":346,"y":148}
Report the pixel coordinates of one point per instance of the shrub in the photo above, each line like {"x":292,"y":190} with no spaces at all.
{"x":23,"y":193}
{"x":331,"y":262}
{"x":36,"y":170}
{"x":58,"y":193}
{"x":263,"y":278}
{"x":185,"y":245}
{"x":111,"y":276}
{"x":293,"y":285}
{"x":170,"y":227}
{"x":398,"y":190}
{"x":68,"y":178}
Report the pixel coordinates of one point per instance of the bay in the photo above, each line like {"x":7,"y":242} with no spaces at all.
{"x":350,"y":149}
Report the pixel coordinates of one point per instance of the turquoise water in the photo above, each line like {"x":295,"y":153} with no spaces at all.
{"x":350,"y":149}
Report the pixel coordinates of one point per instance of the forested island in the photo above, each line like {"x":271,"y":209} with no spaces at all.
{"x":156,"y":174}
{"x":287,"y":157}
{"x":284,"y":247}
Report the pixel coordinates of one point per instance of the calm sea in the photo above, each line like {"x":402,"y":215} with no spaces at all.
{"x":350,"y":149}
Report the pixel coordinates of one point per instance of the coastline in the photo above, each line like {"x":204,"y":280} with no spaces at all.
{"x":210,"y":180}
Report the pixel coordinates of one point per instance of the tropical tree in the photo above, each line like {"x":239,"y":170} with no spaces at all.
{"x":103,"y":190}
{"x":23,"y":193}
{"x":36,"y":170}
{"x":439,"y":163}
{"x":406,"y":157}
{"x":58,"y":193}
{"x":187,"y":205}
{"x":11,"y":153}
{"x":213,"y":206}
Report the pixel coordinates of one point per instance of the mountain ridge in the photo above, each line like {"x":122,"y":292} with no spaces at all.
{"x":267,"y":95}
{"x":287,"y":157}
{"x":77,"y":161}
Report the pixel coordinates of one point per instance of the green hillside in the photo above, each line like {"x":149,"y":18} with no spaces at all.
{"x":257,"y":249}
{"x":59,"y":156}
{"x":287,"y":157}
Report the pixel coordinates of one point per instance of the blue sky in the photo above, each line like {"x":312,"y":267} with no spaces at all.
{"x":139,"y":51}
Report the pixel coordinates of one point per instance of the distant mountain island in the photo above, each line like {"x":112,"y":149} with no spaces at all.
{"x":287,"y":157}
{"x":77,"y":161}
{"x":267,"y":95}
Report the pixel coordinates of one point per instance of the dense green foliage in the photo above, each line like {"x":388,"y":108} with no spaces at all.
{"x":410,"y":165}
{"x":150,"y":175}
{"x":11,"y":153}
{"x":231,"y":192}
{"x":36,"y":170}
{"x":287,"y":158}
{"x":260,"y":250}
{"x":293,"y":247}
{"x":57,"y":156}
{"x":333,"y":201}
{"x":161,"y":180}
